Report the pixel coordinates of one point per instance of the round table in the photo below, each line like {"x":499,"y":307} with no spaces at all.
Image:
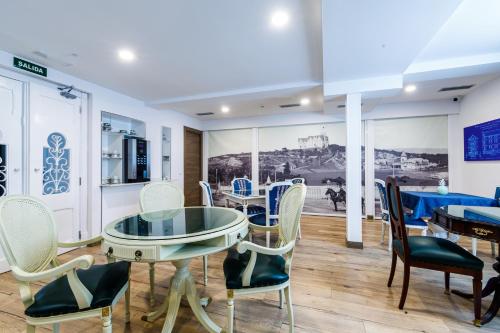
{"x":178,"y":236}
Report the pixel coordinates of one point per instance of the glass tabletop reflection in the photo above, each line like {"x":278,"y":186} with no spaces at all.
{"x":475,"y":213}
{"x":176,"y":223}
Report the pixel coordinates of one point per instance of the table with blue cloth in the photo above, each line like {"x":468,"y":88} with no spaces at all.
{"x":422,"y":204}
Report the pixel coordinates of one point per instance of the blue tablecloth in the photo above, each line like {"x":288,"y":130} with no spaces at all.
{"x":423,"y":203}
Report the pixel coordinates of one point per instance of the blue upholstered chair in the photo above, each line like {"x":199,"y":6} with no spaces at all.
{"x":431,"y":253}
{"x":386,"y":218}
{"x":274,"y":192}
{"x":207,"y":193}
{"x":243,"y":186}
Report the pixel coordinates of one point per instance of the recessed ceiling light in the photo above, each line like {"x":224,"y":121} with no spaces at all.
{"x":410,"y":88}
{"x":224,"y":109}
{"x":279,"y":19}
{"x":305,"y":101}
{"x":126,"y":55}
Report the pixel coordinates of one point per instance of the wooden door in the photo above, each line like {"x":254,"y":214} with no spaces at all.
{"x":193,"y":154}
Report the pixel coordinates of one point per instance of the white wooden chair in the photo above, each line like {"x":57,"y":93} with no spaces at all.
{"x":270,"y":217}
{"x":410,"y":223}
{"x":162,"y":196}
{"x":78,"y":289}
{"x":252,"y":268}
{"x":244,"y":186}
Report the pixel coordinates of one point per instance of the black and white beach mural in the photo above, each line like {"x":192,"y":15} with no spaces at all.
{"x":313,"y":152}
{"x":415,"y":150}
{"x":229,"y":156}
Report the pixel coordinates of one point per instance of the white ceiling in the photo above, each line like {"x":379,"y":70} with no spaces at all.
{"x":195,"y":56}
{"x":183,"y":48}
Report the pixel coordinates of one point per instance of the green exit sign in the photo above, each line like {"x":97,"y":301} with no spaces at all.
{"x":30,"y":67}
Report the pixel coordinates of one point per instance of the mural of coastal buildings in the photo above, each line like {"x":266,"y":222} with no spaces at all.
{"x":415,"y":150}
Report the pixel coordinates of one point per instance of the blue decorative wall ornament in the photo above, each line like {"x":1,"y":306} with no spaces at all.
{"x":3,"y":170}
{"x":482,"y":141}
{"x":56,"y":165}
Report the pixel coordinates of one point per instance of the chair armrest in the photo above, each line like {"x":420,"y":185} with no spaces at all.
{"x":80,"y":243}
{"x":273,"y":228}
{"x":244,"y":246}
{"x":82,"y":294}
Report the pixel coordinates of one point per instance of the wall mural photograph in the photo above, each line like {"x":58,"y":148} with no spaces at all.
{"x":414,"y":150}
{"x":313,"y":152}
{"x":229,"y":156}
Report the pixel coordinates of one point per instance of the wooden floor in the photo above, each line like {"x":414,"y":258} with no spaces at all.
{"x":334,"y":289}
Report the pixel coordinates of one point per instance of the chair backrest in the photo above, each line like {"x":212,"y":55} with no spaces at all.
{"x":398,"y":227}
{"x":161,"y":196}
{"x":28,"y":234}
{"x":274,"y":192}
{"x":291,"y":204}
{"x":497,"y":194}
{"x":242,"y":186}
{"x":207,"y":192}
{"x":384,"y":205}
{"x":298,"y":181}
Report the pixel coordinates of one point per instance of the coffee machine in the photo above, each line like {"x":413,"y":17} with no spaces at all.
{"x":137,"y":160}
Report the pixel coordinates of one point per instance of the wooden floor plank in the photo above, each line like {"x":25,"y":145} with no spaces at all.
{"x":334,"y":289}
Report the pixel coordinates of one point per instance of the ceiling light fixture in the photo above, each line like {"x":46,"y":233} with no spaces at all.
{"x":126,"y":55}
{"x":410,"y":88}
{"x":225,"y":109}
{"x":279,"y":19}
{"x":305,"y":101}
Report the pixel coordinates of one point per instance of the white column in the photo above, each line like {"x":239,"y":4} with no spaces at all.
{"x":255,"y":160}
{"x":370,"y":167}
{"x":353,"y":166}
{"x":205,"y":163}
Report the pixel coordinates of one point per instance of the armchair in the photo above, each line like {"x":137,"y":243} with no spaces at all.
{"x":78,"y":289}
{"x":252,"y":268}
{"x":243,"y":186}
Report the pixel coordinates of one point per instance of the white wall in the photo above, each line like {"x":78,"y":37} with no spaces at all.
{"x":481,"y":105}
{"x":123,"y":200}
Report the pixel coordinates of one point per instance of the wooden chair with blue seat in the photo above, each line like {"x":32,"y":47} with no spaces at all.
{"x":78,"y":290}
{"x":274,"y":192}
{"x":410,"y":222}
{"x":243,"y":186}
{"x":493,"y":244}
{"x":298,"y":181}
{"x":251,"y":268}
{"x":429,"y":253}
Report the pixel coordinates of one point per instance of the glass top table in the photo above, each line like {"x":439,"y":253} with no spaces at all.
{"x":175,"y":223}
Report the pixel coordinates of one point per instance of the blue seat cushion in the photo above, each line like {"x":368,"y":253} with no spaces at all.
{"x":411,"y":222}
{"x":252,"y":209}
{"x":260,"y":219}
{"x":268,"y":270}
{"x":103,"y":281}
{"x":439,"y":251}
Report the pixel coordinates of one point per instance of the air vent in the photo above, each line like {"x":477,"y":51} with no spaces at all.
{"x":289,"y":105}
{"x":468,"y":86}
{"x":341,"y":106}
{"x":205,"y":114}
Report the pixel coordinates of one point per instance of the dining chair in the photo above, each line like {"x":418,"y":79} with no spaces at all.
{"x":79,"y":289}
{"x":162,"y":196}
{"x":244,"y":186}
{"x":410,"y":222}
{"x":492,"y":244}
{"x":252,"y":268}
{"x":274,"y":192}
{"x":432,"y":253}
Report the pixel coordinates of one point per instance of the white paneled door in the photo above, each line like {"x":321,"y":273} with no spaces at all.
{"x":11,"y":139}
{"x":55,"y":163}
